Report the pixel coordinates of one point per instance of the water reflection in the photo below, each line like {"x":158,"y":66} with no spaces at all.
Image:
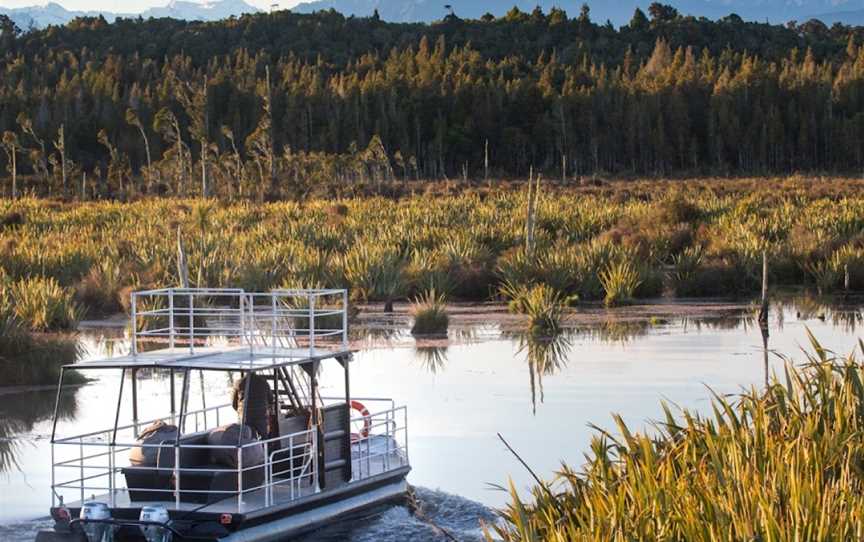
{"x":18,"y":417}
{"x":432,"y":359}
{"x":619,"y":331}
{"x":545,"y":356}
{"x":841,"y":313}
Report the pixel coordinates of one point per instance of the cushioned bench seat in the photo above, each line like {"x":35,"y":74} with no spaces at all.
{"x":142,"y":481}
{"x":198,"y":472}
{"x":206,"y":470}
{"x":208,"y":484}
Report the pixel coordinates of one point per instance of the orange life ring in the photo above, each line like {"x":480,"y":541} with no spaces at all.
{"x":367,"y":421}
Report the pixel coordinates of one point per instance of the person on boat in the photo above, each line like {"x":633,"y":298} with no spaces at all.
{"x":253,"y":410}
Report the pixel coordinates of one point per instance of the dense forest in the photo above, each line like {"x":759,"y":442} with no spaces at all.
{"x":284,"y":105}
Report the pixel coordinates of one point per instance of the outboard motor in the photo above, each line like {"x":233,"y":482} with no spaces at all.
{"x":96,"y":532}
{"x":155,"y":514}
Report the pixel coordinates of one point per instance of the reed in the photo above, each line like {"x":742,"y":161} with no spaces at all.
{"x":430,"y":314}
{"x":375,"y":273}
{"x":779,"y":463}
{"x":43,"y":305}
{"x":684,"y":275}
{"x":544,"y":306}
{"x":620,"y":279}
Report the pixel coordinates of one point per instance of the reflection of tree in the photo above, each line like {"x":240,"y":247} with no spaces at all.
{"x":432,"y":358}
{"x":617,"y":331}
{"x":378,"y":332}
{"x":848,"y":317}
{"x":20,"y":412}
{"x":545,"y":356}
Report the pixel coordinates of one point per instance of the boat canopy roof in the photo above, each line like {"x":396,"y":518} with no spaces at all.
{"x":215,"y":359}
{"x":232,"y":330}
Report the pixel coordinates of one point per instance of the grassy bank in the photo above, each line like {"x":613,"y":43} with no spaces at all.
{"x":784,"y":463}
{"x":28,"y":358}
{"x":614,"y":242}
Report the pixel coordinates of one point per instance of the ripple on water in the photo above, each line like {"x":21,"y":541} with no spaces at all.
{"x":23,"y":531}
{"x":457,"y":515}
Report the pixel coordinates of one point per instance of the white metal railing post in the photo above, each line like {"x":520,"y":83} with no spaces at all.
{"x":405,"y":431}
{"x":171,"y":329}
{"x":368,"y":456}
{"x":239,"y":476}
{"x":345,"y":319}
{"x":243,"y":318}
{"x":134,"y":318}
{"x":273,"y":322}
{"x":387,"y":439}
{"x":177,"y":484}
{"x":111,"y":473}
{"x":252,"y":324}
{"x":81,"y":463}
{"x":315,"y":462}
{"x":268,"y":475}
{"x":191,"y":324}
{"x":53,"y":482}
{"x":311,"y":324}
{"x":114,"y":467}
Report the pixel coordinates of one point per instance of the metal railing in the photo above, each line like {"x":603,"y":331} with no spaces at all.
{"x":384,"y":448}
{"x":289,"y":461}
{"x":190,"y":317}
{"x":289,"y":469}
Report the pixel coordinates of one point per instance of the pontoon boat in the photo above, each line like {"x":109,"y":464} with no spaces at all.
{"x":180,"y":475}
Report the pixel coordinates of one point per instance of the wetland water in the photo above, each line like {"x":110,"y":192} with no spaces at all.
{"x":460,"y":393}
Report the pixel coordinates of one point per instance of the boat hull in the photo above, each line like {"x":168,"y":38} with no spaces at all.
{"x":314,"y":518}
{"x":278,"y":523}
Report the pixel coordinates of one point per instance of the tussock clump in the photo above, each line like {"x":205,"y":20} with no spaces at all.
{"x":544,"y":306}
{"x":101,"y":288}
{"x":43,"y":305}
{"x":430,"y":314}
{"x":620,"y":279}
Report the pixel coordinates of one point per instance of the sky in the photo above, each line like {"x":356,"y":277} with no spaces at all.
{"x":127,"y":6}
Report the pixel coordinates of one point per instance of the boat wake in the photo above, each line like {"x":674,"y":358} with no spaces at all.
{"x":440,"y":514}
{"x":439,"y":511}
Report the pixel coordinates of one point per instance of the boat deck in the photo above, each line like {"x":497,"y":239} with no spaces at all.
{"x":369,"y":461}
{"x":209,"y":358}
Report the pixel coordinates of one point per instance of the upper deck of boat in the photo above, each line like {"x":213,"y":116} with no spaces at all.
{"x":232,"y":330}
{"x":215,"y":358}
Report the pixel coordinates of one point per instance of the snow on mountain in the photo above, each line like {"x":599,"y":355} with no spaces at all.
{"x":52,"y":13}
{"x":201,"y":11}
{"x":42,"y":15}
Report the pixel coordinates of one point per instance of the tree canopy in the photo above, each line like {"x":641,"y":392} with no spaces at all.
{"x":287,"y":97}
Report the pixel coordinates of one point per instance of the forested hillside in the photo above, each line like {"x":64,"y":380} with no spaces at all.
{"x":278,"y":105}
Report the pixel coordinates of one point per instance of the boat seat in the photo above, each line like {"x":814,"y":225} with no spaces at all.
{"x":147,"y":484}
{"x":206,"y":486}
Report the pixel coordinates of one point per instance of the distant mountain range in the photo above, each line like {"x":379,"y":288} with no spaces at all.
{"x":55,"y":14}
{"x":617,"y":11}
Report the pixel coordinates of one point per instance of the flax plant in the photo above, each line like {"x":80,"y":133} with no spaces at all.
{"x":780,"y":463}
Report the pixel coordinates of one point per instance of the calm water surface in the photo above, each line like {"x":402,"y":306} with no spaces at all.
{"x":539,"y":395}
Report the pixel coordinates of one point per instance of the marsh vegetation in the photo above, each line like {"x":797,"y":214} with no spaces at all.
{"x":615,"y":244}
{"x":628,"y":242}
{"x":770,"y":464}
